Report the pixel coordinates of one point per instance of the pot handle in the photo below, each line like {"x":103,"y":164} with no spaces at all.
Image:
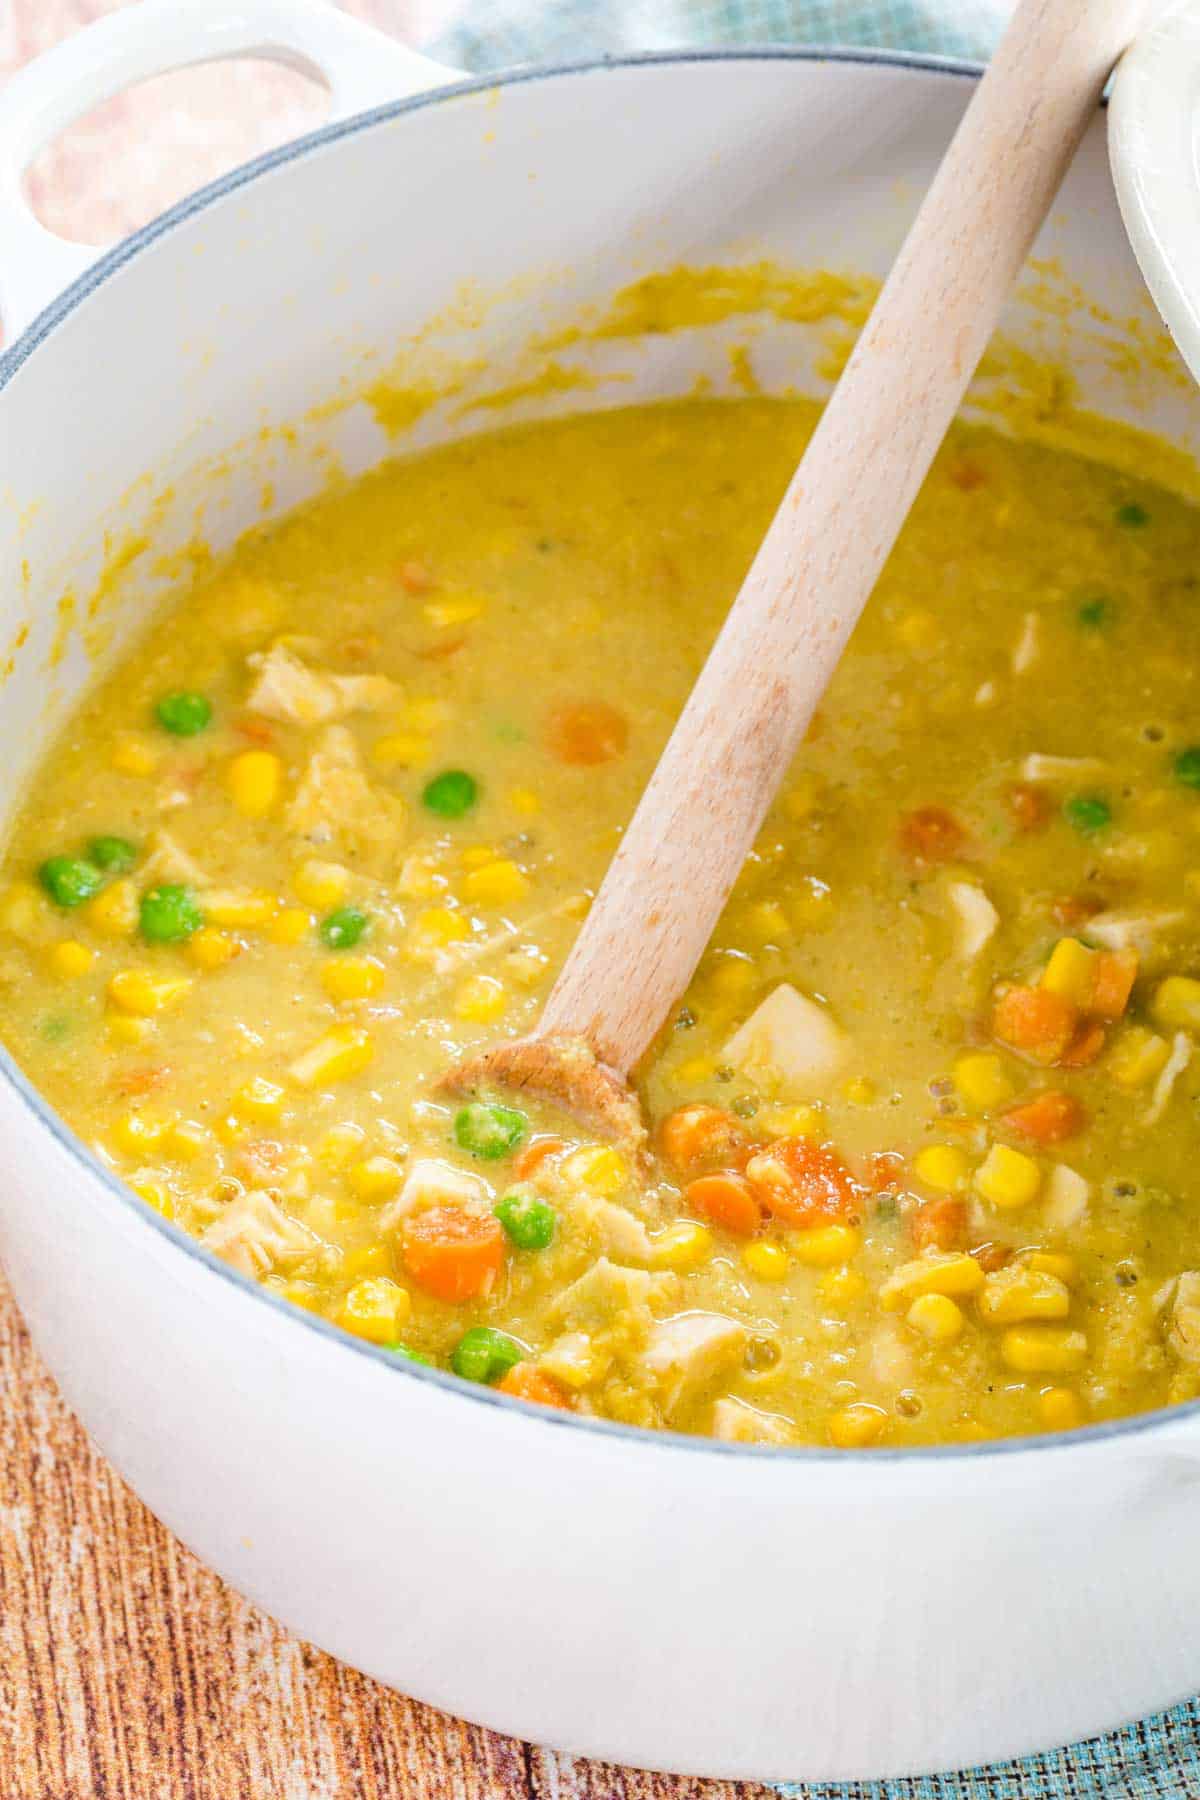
{"x":360,"y":66}
{"x":1152,"y":124}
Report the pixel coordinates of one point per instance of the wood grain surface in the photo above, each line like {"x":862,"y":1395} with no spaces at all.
{"x":127,"y":1670}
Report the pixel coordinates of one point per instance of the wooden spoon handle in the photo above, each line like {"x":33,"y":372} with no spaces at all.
{"x":829,"y":540}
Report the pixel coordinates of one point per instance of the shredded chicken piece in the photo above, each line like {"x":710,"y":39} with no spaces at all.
{"x":336,"y":804}
{"x":1037,"y":767}
{"x":788,"y":1039}
{"x":687,"y":1352}
{"x":433,"y":1183}
{"x":737,"y":1423}
{"x":977,"y":918}
{"x":1129,"y":931}
{"x":1028,"y":644}
{"x":1183,"y":1334}
{"x":1176,"y":1063}
{"x":1067,"y":1196}
{"x":622,"y":1234}
{"x":607,"y":1291}
{"x":288,"y":690}
{"x":254,"y":1235}
{"x":168,"y":861}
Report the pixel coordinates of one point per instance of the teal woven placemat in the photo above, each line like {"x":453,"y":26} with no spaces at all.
{"x":1158,"y":1759}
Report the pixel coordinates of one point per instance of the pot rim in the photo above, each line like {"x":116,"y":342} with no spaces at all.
{"x":13,"y":358}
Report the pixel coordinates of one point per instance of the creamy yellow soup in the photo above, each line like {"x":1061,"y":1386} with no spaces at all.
{"x":924,"y":1128}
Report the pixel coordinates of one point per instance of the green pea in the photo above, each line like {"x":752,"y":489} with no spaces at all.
{"x":488,"y":1131}
{"x":1131,"y":516}
{"x":1096,"y":613}
{"x":484,"y":1354}
{"x":168,"y":915}
{"x":113,"y":854}
{"x":1187,"y":766}
{"x":1088,"y":813}
{"x":451,"y":794}
{"x":69,"y":880}
{"x":342,"y":928}
{"x":527,"y":1219}
{"x":183,"y":714}
{"x":407,"y":1355}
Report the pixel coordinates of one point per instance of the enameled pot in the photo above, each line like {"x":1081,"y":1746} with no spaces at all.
{"x":653,"y":1600}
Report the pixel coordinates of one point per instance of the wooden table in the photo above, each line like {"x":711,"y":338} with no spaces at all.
{"x":127,"y":1670}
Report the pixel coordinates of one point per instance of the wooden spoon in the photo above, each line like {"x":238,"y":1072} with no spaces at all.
{"x":678,"y":860}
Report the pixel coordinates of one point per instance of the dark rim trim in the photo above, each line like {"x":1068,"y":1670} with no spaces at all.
{"x":25,"y":346}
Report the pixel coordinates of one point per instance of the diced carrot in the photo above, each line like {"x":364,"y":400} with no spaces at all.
{"x":1073,"y":909}
{"x":802,"y":1182}
{"x":414,"y":578}
{"x":931,"y":834}
{"x":1085,"y":1046}
{"x":938,"y":1224}
{"x":453,"y":1252}
{"x":991,"y":1257}
{"x":697,"y":1136}
{"x":587,"y":732}
{"x":525,"y":1381}
{"x":528,"y":1160}
{"x":1035,"y":1021}
{"x":1113,"y":975}
{"x":143,"y":1080}
{"x":258,"y":731}
{"x":1049,"y":1118}
{"x":1028,"y":806}
{"x":728,"y":1200}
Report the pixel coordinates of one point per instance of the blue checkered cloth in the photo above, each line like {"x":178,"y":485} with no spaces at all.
{"x":1158,"y":1759}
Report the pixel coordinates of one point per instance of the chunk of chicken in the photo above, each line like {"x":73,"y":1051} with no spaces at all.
{"x":1067,"y":1196}
{"x":433,"y":1183}
{"x":607,"y":1292}
{"x":976,"y":918}
{"x":288,"y":690}
{"x":170,"y":862}
{"x":1183,"y":1334}
{"x":685,"y":1354}
{"x":335,"y":804}
{"x":737,"y":1423}
{"x":622,"y":1235}
{"x":255,"y":1236}
{"x":788,"y":1040}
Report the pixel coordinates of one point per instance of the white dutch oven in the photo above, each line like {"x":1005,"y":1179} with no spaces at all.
{"x":658,"y":1601}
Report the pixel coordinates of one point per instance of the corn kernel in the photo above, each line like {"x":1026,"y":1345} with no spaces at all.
{"x":139,"y":1134}
{"x":501,"y":883}
{"x":238,"y":911}
{"x":1176,"y":1004}
{"x":425,"y":714}
{"x":375,"y":1309}
{"x":125,"y":1030}
{"x":367,"y":1259}
{"x":1052,"y":1262}
{"x":526,"y":966}
{"x":442,"y":613}
{"x":694,"y":1071}
{"x":21,"y":909}
{"x":843,"y":1287}
{"x":936,"y":1317}
{"x":856,"y":1427}
{"x":185,"y":1140}
{"x":480,"y":999}
{"x":420,"y":877}
{"x":254,"y":779}
{"x":1007,"y":1178}
{"x":340,"y":1143}
{"x":211,"y":949}
{"x":859,"y":1091}
{"x":1015,"y":1294}
{"x":259,"y":1100}
{"x":768,"y":1261}
{"x":523,"y":800}
{"x":732,"y":977}
{"x":114,"y":911}
{"x":352,"y":977}
{"x":147,"y":991}
{"x":321,"y":884}
{"x":232,"y":1130}
{"x":824,"y":1246}
{"x":375,"y":1177}
{"x":1137,"y":1057}
{"x":69,"y":959}
{"x":791,"y":1121}
{"x":157,"y":1195}
{"x":478,"y":856}
{"x":402,"y":750}
{"x":982,"y":1081}
{"x":133,"y":756}
{"x":954,"y":1274}
{"x":438,"y":926}
{"x":1070,"y":972}
{"x":942,"y":1166}
{"x":1043,"y":1349}
{"x":684,"y":1245}
{"x":598,"y":1168}
{"x":343,"y":1052}
{"x":289,"y":926}
{"x":1061,"y":1409}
